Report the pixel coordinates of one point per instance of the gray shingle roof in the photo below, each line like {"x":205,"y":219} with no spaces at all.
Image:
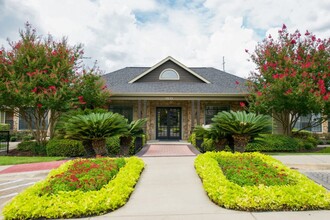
{"x":221,"y":83}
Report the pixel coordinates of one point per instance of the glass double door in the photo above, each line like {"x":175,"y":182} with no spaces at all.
{"x":168,"y":123}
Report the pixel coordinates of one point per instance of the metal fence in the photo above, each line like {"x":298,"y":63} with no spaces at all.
{"x":4,"y":141}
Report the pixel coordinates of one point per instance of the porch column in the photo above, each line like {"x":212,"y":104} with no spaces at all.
{"x":192,"y":115}
{"x":198,"y":111}
{"x":144,"y":115}
{"x":139,"y":110}
{"x":144,"y":108}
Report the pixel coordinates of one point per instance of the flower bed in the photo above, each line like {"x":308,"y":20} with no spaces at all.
{"x":256,"y":182}
{"x":46,"y":199}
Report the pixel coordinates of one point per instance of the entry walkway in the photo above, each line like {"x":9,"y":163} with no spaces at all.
{"x":169,"y":188}
{"x":165,"y":149}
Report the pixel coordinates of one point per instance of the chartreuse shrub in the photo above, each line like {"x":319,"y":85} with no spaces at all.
{"x":282,"y":189}
{"x":34,"y":203}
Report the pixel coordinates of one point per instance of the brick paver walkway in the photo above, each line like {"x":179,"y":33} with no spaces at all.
{"x":165,"y":150}
{"x":32,"y":167}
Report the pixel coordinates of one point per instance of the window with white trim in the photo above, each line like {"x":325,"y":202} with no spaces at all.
{"x":304,"y":121}
{"x":211,"y":111}
{"x":169,"y":74}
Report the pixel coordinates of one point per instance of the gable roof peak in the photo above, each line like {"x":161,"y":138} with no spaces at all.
{"x":164,"y":61}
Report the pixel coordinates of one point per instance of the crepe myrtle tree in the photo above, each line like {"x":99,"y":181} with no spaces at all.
{"x":41,"y":77}
{"x":292,"y":78}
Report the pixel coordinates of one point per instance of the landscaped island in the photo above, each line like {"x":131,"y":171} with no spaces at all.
{"x":78,"y":188}
{"x":256,"y":182}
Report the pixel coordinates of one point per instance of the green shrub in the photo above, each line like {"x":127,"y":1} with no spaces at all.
{"x":40,"y":150}
{"x":30,"y":204}
{"x":273,"y":142}
{"x":192,"y":139}
{"x":32,"y":146}
{"x":303,"y":134}
{"x":113,"y":145}
{"x":4,"y":127}
{"x":312,"y":140}
{"x":308,"y":146}
{"x":65,"y":148}
{"x":303,"y":194}
{"x":13,"y":138}
{"x":208,"y":145}
{"x":28,"y":137}
{"x":21,"y":134}
{"x":26,"y":146}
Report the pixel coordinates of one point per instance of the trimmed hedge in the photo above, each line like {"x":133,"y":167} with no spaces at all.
{"x":65,"y":148}
{"x":26,"y":145}
{"x":31,"y":205}
{"x":304,"y":195}
{"x":274,"y":142}
{"x":32,"y":146}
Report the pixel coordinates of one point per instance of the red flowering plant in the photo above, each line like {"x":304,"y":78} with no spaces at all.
{"x":85,"y":175}
{"x":248,"y":170}
{"x":292,"y":78}
{"x":41,"y":77}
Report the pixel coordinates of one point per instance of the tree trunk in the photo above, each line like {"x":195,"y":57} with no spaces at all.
{"x":125,"y":143}
{"x":240,"y":142}
{"x":99,"y":147}
{"x":220,"y":145}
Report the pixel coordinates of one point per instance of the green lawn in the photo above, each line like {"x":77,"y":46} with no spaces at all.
{"x":11,"y":160}
{"x":324,"y":151}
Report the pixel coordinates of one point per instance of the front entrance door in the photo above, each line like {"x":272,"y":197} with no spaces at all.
{"x":168,"y":123}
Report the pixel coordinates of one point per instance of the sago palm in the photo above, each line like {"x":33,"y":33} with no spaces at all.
{"x":213,"y":132}
{"x":95,"y":127}
{"x":134,"y":129}
{"x":242,"y":126}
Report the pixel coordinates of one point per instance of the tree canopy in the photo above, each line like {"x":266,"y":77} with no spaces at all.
{"x":41,"y":77}
{"x":292,"y":78}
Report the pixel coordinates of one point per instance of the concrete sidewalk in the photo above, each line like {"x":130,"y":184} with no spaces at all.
{"x":169,"y":188}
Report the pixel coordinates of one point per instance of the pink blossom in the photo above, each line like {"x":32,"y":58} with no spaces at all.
{"x":242,"y":104}
{"x":81,"y":100}
{"x":39,"y":105}
{"x":276,"y":76}
{"x":236,"y":82}
{"x":259,"y":93}
{"x":289,"y":91}
{"x":35,"y":90}
{"x":284,"y":26}
{"x":321,"y":47}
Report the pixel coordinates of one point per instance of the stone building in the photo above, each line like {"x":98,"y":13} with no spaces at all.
{"x":173,"y":97}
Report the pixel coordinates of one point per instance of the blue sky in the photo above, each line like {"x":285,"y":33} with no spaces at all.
{"x":141,"y":33}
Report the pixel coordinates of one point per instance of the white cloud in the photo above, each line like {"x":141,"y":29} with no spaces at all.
{"x":196,"y":33}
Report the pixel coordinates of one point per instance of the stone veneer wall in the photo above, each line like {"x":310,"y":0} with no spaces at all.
{"x":185,"y":116}
{"x":325,"y":128}
{"x":185,"y":106}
